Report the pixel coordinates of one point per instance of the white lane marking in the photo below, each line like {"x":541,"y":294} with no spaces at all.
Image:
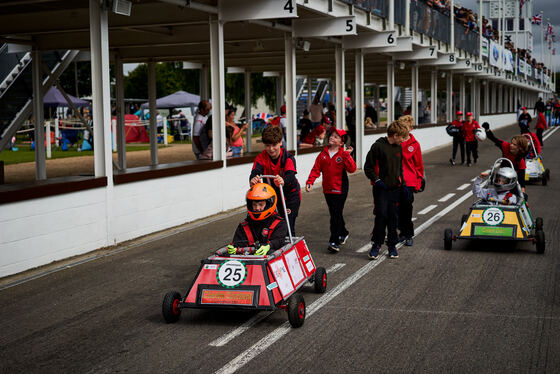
{"x":446,"y":197}
{"x":472,"y":180}
{"x":427,"y":209}
{"x":365,"y":248}
{"x":463,"y":186}
{"x":549,"y":134}
{"x":226,"y":338}
{"x":259,"y":347}
{"x":414,"y":218}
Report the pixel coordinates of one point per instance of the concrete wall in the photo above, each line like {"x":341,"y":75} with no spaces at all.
{"x":39,"y":231}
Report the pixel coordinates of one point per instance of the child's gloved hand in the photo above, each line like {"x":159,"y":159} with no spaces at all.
{"x":231,"y":249}
{"x":263,"y":250}
{"x":486,"y":126}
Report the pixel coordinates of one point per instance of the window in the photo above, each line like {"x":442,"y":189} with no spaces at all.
{"x":495,"y":24}
{"x":521,"y":24}
{"x":509,"y":24}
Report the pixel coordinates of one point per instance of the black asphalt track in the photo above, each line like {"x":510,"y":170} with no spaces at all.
{"x":479,"y":308}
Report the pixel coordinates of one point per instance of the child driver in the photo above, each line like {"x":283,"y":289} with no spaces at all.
{"x":505,"y":183}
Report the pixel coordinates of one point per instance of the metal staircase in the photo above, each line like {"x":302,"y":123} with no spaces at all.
{"x":318,"y":87}
{"x":16,"y":89}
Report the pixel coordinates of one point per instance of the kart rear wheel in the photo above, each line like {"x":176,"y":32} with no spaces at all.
{"x":544,"y":180}
{"x":320,"y":280}
{"x":447,"y":239}
{"x":296,"y":311}
{"x":538,"y":223}
{"x":170,"y":307}
{"x":539,"y":235}
{"x":547,"y":174}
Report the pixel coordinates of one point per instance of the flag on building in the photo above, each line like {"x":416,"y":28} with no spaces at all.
{"x":537,"y":19}
{"x":521,"y":3}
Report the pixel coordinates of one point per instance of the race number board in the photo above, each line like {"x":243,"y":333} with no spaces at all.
{"x":231,"y":274}
{"x":493,"y":216}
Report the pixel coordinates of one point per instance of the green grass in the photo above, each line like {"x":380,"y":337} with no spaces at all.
{"x":26,"y":154}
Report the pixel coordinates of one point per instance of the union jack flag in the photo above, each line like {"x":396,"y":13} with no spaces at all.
{"x":537,"y":19}
{"x":521,"y":3}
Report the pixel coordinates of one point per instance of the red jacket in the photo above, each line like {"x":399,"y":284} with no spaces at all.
{"x":335,"y":180}
{"x":457,"y":123}
{"x":541,"y":122}
{"x":468,"y":130}
{"x":413,"y":167}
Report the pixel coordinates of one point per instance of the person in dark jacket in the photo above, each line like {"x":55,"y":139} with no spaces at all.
{"x":458,"y":140}
{"x":384,"y":169}
{"x":263,"y":228}
{"x":539,"y":106}
{"x":524,"y":118}
{"x":334,"y":162}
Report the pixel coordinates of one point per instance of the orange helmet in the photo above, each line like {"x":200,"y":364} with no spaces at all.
{"x":261,"y":192}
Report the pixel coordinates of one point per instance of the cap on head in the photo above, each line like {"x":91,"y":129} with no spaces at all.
{"x":283,"y":109}
{"x":342,"y":133}
{"x":469,"y":114}
{"x":459,"y":113}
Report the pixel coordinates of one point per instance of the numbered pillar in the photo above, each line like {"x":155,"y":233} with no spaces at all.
{"x":359,"y":105}
{"x":340,"y":84}
{"x":217,"y":76}
{"x":433,"y":94}
{"x":248,"y":116}
{"x":449,"y":97}
{"x":290,"y":73}
{"x":462,"y":94}
{"x":40,"y":162}
{"x":476,"y":84}
{"x":487,"y":97}
{"x":414,"y":88}
{"x":121,"y":134}
{"x":153,"y":112}
{"x":473,"y":97}
{"x":390,"y":91}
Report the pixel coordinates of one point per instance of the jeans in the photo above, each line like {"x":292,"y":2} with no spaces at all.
{"x":458,"y":141}
{"x":385,"y":216}
{"x":236,"y":151}
{"x":336,"y":203}
{"x":406,"y":227}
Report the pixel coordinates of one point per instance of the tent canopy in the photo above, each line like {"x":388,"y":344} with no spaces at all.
{"x":179,"y":99}
{"x":54,"y":98}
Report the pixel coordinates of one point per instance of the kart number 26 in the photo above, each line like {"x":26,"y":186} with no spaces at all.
{"x":493,"y":216}
{"x":231,"y":273}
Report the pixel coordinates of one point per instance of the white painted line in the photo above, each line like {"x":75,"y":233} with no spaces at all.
{"x":427,"y":209}
{"x":446,"y":197}
{"x":365,"y":248}
{"x":335,"y":268}
{"x":463,"y":186}
{"x":226,"y":338}
{"x":414,"y":219}
{"x":260,"y":346}
{"x":472,"y":180}
{"x":549,"y":134}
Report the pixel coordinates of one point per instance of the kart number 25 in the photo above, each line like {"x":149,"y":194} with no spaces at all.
{"x":231,"y":273}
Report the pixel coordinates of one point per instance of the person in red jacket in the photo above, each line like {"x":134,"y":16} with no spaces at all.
{"x":334,"y":162}
{"x":469,"y":127}
{"x":540,"y":127}
{"x":458,"y":141}
{"x":534,"y":139}
{"x":413,"y":173}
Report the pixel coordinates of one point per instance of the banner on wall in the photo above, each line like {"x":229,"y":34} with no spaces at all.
{"x":484,"y":47}
{"x":521,"y":66}
{"x":495,"y":52}
{"x":529,"y":70}
{"x":508,"y":60}
{"x":538,"y":75}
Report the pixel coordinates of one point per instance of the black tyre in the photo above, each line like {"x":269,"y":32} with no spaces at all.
{"x":547,"y":174}
{"x":296,"y":311}
{"x":447,"y":239}
{"x":170,"y":307}
{"x":538,"y":223}
{"x":320,"y":280}
{"x":544,"y":179}
{"x":539,"y":235}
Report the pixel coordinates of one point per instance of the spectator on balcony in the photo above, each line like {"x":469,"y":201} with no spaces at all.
{"x":316,"y":112}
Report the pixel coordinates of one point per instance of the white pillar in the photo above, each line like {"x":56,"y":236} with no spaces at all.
{"x":359,"y":105}
{"x":153,"y":112}
{"x":114,"y":135}
{"x":391,"y":16}
{"x":290,"y":76}
{"x":494,"y":102}
{"x":217,"y":72}
{"x":473,"y":97}
{"x":279,"y":92}
{"x":449,"y":97}
{"x":390,"y":91}
{"x":414,"y":87}
{"x":476,"y":84}
{"x":248,"y":117}
{"x":462,"y":94}
{"x":101,"y":92}
{"x":40,"y":163}
{"x":434,"y":108}
{"x":340,"y":84}
{"x":377,"y":106}
{"x":48,"y":138}
{"x":407,"y":22}
{"x":451,"y":28}
{"x":487,"y":97}
{"x":121,"y":133}
{"x":56,"y":129}
{"x":165,"y":130}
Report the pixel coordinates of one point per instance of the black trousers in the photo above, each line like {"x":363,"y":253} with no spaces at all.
{"x":293,"y":210}
{"x":406,"y":227}
{"x":539,"y":135}
{"x":336,"y":203}
{"x":458,"y":142}
{"x":472,"y":148}
{"x":386,"y":219}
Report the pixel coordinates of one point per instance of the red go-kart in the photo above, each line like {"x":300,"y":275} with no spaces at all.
{"x":252,"y":282}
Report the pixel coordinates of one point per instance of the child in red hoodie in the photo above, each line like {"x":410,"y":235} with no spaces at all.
{"x":413,"y":173}
{"x":469,"y":128}
{"x":540,"y":126}
{"x":334,"y":161}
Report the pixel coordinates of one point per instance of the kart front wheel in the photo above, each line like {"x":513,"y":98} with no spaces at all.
{"x":320,"y":280}
{"x":544,"y":180}
{"x":447,"y":239}
{"x":170,"y":307}
{"x":539,"y":235}
{"x":296,"y":311}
